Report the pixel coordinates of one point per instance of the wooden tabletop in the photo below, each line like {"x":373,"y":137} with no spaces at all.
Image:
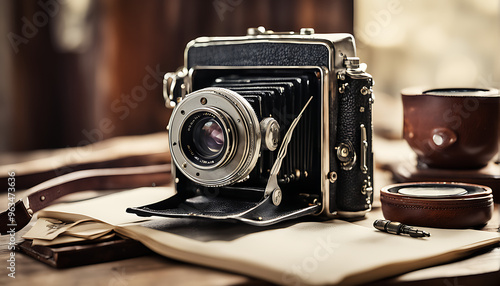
{"x":479,"y":269}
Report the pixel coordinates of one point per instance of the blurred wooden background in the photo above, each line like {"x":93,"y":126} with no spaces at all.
{"x":76,"y":72}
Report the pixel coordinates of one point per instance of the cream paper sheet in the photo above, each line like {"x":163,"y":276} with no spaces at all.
{"x":304,"y":252}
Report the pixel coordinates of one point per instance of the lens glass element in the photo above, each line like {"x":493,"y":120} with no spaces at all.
{"x":208,"y":138}
{"x":205,"y":138}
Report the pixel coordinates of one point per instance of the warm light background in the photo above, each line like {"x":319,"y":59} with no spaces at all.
{"x":445,"y":43}
{"x":71,"y":83}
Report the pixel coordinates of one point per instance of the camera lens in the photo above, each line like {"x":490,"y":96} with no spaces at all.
{"x":208,"y":138}
{"x":215,"y":137}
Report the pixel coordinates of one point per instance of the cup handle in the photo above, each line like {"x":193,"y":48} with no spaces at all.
{"x":442,"y":138}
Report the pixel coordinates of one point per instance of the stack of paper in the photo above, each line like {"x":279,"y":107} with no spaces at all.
{"x":49,"y":231}
{"x":296,"y":252}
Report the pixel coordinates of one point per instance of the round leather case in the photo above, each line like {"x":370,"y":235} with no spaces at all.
{"x":443,"y":205}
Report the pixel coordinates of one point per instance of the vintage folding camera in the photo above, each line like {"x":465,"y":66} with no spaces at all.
{"x":267,"y":127}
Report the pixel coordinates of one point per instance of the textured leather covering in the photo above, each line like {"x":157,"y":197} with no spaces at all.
{"x":259,"y":54}
{"x":261,"y":212}
{"x":350,"y":182}
{"x":475,"y":208}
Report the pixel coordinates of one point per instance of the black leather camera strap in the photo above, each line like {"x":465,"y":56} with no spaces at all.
{"x":18,"y":215}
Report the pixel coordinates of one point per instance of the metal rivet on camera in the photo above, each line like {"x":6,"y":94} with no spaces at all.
{"x":365,"y":90}
{"x":176,"y":180}
{"x":286,"y":179}
{"x":332,"y":176}
{"x":342,"y":88}
{"x":203,"y":100}
{"x":42,"y":198}
{"x":276,"y":197}
{"x":361,"y":109}
{"x":184,"y":165}
{"x":183,"y":112}
{"x":297,"y":173}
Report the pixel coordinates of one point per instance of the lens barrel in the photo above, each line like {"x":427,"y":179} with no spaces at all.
{"x":214,"y":137}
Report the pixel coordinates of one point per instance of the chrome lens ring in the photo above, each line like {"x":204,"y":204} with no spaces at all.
{"x":241,"y":142}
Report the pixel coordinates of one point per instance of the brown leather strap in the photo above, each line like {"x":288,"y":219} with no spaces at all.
{"x":27,"y":180}
{"x":14,"y":218}
{"x":44,"y":194}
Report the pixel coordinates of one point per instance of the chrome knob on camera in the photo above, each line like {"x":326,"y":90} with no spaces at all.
{"x":346,"y":155}
{"x":270,"y":133}
{"x":257,"y":31}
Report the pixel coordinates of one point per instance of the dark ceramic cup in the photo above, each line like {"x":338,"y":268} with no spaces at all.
{"x":452,"y":128}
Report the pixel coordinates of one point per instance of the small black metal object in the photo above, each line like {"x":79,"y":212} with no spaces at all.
{"x":398,"y":228}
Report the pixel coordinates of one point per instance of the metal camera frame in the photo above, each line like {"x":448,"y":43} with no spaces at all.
{"x":342,"y":60}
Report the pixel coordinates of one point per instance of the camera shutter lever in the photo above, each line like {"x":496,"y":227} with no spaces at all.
{"x":272,"y":187}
